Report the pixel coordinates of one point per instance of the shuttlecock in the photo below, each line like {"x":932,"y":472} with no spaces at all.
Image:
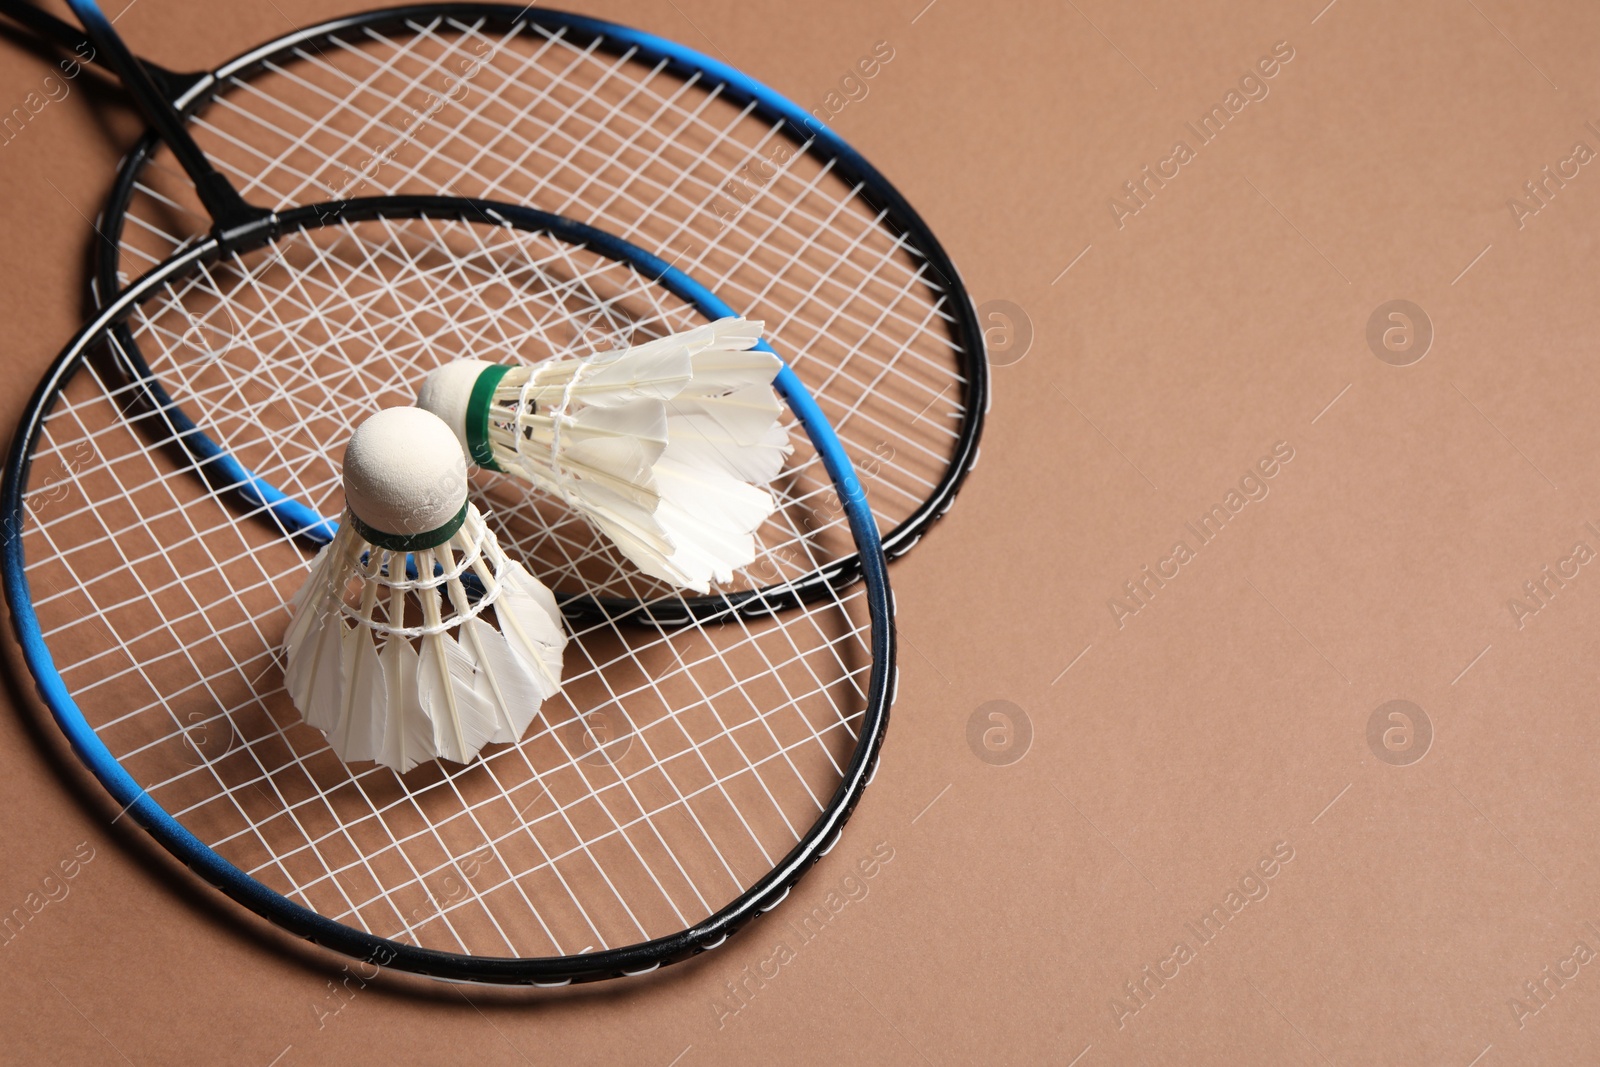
{"x":663,"y":446}
{"x":397,"y":569}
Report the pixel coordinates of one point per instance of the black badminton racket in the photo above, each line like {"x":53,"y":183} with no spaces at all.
{"x":639,"y":136}
{"x":680,"y":784}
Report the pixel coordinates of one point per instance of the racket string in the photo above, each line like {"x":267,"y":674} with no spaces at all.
{"x":528,"y":72}
{"x":410,"y":292}
{"x":320,"y":851}
{"x":863,"y":391}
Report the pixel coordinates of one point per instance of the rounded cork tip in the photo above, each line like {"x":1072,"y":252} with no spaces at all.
{"x":405,"y":473}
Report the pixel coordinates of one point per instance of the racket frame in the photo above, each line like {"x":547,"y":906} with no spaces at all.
{"x":742,"y":90}
{"x":629,"y":960}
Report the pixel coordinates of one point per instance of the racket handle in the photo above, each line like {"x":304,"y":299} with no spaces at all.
{"x":222,"y":201}
{"x":50,"y":30}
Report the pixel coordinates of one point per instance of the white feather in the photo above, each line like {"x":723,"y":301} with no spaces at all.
{"x":723,"y":368}
{"x":317,"y":582}
{"x":531,"y":622}
{"x":749,"y":454}
{"x":745,"y":414}
{"x":399,"y":706}
{"x":614,"y":448}
{"x":314,"y":671}
{"x":706,"y":357}
{"x":463,"y":721}
{"x":358,"y":730}
{"x":407,"y":732}
{"x":642,"y":537}
{"x":359,"y":734}
{"x":502,"y":679}
{"x":662,"y":446}
{"x":646,"y":372}
{"x":712,"y":518}
{"x":309,"y":608}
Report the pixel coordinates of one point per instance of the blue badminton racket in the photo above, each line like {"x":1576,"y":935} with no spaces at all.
{"x":679,"y":785}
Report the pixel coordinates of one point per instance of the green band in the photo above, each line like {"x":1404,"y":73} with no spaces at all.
{"x":478,"y":416}
{"x":409,"y":542}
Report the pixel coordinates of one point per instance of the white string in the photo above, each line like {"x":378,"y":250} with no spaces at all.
{"x":847,"y":299}
{"x":162,"y":602}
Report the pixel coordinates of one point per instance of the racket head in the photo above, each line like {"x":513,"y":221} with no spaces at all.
{"x":180,"y":614}
{"x":869,"y":308}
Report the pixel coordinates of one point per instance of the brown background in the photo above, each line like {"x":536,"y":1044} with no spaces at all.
{"x":1226,"y":717}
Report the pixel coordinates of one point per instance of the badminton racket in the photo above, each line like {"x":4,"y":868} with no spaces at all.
{"x":679,"y":785}
{"x":241,"y":385}
{"x":707,"y":168}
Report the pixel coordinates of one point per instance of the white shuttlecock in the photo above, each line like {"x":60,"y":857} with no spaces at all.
{"x":663,"y":446}
{"x":398,"y":569}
